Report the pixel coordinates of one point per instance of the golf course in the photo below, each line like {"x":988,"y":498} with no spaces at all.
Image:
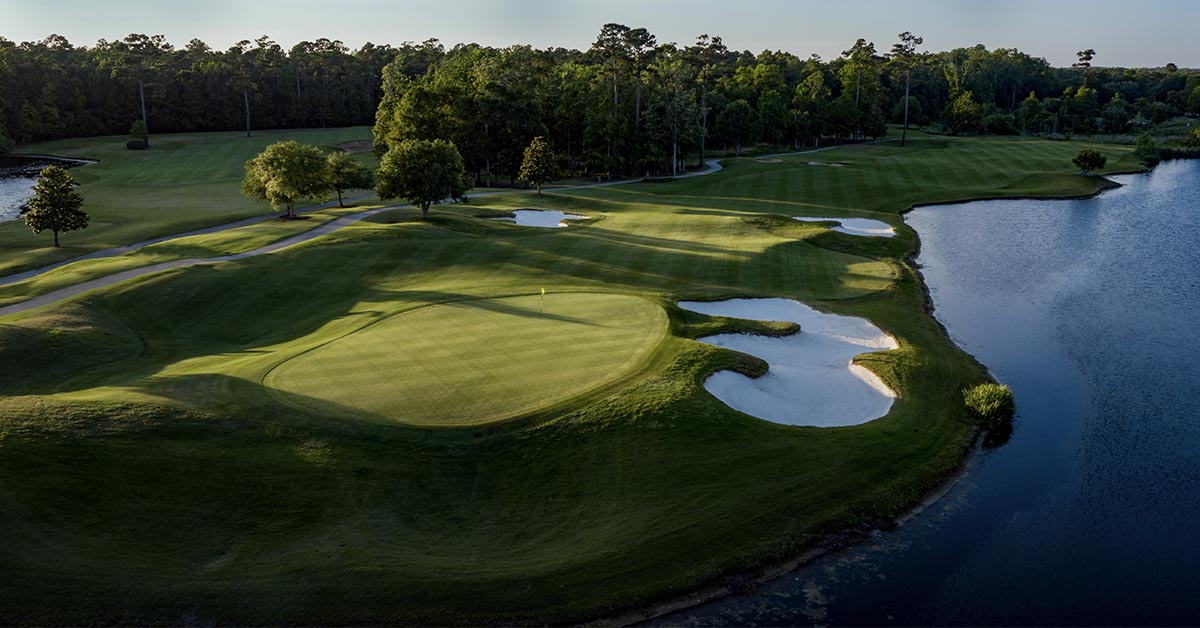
{"x":460,"y":420}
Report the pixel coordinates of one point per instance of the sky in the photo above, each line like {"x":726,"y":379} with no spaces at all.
{"x":1142,"y":33}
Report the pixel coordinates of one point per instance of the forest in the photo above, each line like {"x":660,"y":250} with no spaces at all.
{"x":627,"y":104}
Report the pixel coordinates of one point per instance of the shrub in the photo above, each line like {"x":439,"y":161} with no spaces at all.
{"x":1145,"y":147}
{"x":992,"y":404}
{"x":999,"y":124}
{"x":137,"y":145}
{"x":1193,"y":140}
{"x":1088,"y":160}
{"x":138,"y":131}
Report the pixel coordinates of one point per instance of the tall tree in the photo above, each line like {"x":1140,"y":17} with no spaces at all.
{"x":904,"y":56}
{"x":242,"y":65}
{"x":811,"y":104}
{"x":55,"y":205}
{"x":639,"y":46}
{"x":859,"y":60}
{"x":139,"y":58}
{"x":705,"y":55}
{"x":674,"y":110}
{"x":422,"y":171}
{"x":612,"y":48}
{"x":285,"y":174}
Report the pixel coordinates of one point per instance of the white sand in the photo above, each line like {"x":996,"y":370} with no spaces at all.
{"x":549,"y":218}
{"x":810,"y":380}
{"x":855,"y":226}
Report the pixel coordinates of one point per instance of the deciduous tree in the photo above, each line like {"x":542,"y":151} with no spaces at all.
{"x":347,"y":173}
{"x":285,"y":174}
{"x":739,"y":124}
{"x":55,"y":205}
{"x":962,"y":115}
{"x":540,"y":165}
{"x":422,"y":171}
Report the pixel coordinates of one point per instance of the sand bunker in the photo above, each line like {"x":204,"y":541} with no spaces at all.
{"x":825,"y":163}
{"x":855,"y":226}
{"x":810,"y":380}
{"x":769,"y":161}
{"x":547,"y":218}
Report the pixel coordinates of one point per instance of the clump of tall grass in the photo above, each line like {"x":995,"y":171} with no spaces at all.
{"x":992,"y":404}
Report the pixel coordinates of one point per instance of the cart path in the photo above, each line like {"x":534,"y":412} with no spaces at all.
{"x":334,"y":225}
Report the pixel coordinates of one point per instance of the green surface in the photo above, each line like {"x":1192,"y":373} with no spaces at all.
{"x":154,"y":468}
{"x":477,"y":360}
{"x":184,"y":182}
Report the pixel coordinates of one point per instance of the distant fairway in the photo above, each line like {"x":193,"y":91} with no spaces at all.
{"x":477,"y":360}
{"x":185,"y":181}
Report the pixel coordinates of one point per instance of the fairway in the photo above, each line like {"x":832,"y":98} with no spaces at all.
{"x":379,"y":426}
{"x":477,"y":360}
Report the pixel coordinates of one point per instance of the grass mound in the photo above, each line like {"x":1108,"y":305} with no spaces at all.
{"x":477,"y":360}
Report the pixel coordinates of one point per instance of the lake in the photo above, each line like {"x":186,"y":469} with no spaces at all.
{"x":1089,"y":514}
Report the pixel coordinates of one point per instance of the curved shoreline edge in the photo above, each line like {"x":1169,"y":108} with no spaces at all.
{"x":850,"y":536}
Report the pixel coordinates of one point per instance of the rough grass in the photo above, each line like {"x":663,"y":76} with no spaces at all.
{"x":184,"y":182}
{"x":148,"y":475}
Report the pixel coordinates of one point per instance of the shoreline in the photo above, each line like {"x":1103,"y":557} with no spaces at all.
{"x":850,"y":536}
{"x":81,"y":161}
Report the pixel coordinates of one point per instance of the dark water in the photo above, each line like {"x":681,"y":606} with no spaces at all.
{"x":1090,"y":514}
{"x":17,"y":178}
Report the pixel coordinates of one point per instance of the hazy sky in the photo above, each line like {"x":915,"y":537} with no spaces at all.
{"x":1142,"y":33}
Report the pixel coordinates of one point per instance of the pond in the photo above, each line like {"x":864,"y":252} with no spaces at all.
{"x":17,"y":178}
{"x":1089,"y":513}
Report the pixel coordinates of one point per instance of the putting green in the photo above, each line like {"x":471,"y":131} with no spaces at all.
{"x":476,"y":361}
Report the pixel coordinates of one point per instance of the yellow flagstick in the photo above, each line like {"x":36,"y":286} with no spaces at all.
{"x":542,"y":301}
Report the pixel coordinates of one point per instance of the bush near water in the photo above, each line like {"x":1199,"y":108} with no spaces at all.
{"x":992,"y":404}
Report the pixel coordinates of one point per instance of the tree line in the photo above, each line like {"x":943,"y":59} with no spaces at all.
{"x":627,"y":104}
{"x":53,"y":89}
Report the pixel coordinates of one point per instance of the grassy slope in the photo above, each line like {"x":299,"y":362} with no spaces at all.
{"x":146,"y":473}
{"x":184,"y":182}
